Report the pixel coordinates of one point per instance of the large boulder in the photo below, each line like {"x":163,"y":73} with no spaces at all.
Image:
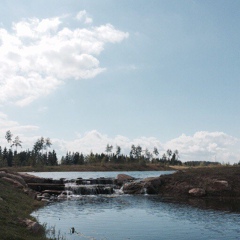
{"x":14,"y":177}
{"x":152,"y":185}
{"x":136,"y":187}
{"x":28,"y":178}
{"x":14,"y":182}
{"x":145,"y":186}
{"x":218,"y":187}
{"x":123,"y":178}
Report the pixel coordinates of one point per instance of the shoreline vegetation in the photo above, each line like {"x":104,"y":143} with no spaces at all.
{"x":107,"y":167}
{"x":17,"y":203}
{"x":15,"y":208}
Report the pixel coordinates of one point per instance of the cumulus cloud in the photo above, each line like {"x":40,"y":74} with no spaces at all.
{"x":96,"y":142}
{"x":202,"y":146}
{"x":206,"y":146}
{"x":38,"y":55}
{"x":83,"y":16}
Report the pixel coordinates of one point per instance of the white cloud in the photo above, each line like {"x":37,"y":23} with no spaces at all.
{"x":207,"y":146}
{"x":202,"y":146}
{"x":97,"y":142}
{"x":39,"y":55}
{"x":84,"y":17}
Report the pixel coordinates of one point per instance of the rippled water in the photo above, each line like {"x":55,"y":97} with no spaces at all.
{"x":74,"y":175}
{"x":137,"y":217}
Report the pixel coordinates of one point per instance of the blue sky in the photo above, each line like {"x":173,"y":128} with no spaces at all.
{"x":154,"y":73}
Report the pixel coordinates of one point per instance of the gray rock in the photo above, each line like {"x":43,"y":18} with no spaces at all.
{"x":197,"y":192}
{"x":35,"y":227}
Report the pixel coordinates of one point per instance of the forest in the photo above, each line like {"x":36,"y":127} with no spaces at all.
{"x":41,"y":155}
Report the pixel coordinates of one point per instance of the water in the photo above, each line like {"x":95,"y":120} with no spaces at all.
{"x":86,"y":175}
{"x":136,"y":217}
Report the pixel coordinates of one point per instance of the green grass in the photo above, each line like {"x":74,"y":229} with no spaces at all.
{"x":16,"y":204}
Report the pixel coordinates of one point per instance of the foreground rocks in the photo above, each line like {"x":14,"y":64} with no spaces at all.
{"x":32,"y":226}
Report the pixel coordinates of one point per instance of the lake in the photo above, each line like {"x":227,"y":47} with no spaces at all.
{"x":121,"y":217}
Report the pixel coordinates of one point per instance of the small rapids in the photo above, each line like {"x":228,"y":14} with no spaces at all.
{"x":89,"y":187}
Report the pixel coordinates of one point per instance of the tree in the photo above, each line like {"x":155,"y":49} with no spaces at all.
{"x":109,"y":148}
{"x":17,"y":142}
{"x":176,"y":154}
{"x":38,"y":145}
{"x":47,"y":143}
{"x":8,"y":136}
{"x":148,"y":155}
{"x":136,"y":151}
{"x":169,"y":153}
{"x":155,"y":151}
{"x":118,"y":150}
{"x":10,"y":158}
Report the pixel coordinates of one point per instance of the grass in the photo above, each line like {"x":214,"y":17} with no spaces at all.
{"x":16,"y":204}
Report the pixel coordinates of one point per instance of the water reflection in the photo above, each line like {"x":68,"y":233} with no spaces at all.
{"x":219,"y":204}
{"x":142,"y":217}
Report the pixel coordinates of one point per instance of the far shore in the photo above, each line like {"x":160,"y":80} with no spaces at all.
{"x":93,"y":168}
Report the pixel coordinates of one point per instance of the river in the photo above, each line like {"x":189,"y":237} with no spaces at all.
{"x":138,"y":217}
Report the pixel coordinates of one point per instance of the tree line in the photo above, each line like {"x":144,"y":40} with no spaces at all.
{"x":137,"y":155}
{"x":40,"y":155}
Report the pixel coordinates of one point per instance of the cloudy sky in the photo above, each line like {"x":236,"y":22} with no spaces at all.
{"x":86,"y":73}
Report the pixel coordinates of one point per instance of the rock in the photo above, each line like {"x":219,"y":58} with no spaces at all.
{"x":14,"y":177}
{"x":35,"y":227}
{"x":197,"y":192}
{"x":123,"y":178}
{"x":1,"y":199}
{"x":148,"y":185}
{"x":31,"y":178}
{"x":30,"y":193}
{"x":218,"y":188}
{"x":14,"y":182}
{"x":133,"y":188}
{"x":221,"y":185}
{"x":46,"y":186}
{"x":152,"y":185}
{"x":52,"y":192}
{"x":46,"y":195}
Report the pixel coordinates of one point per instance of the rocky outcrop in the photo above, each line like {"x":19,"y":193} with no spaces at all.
{"x":145,"y":186}
{"x":15,"y":177}
{"x":123,"y":178}
{"x":206,"y":182}
{"x":31,"y":178}
{"x":14,"y":182}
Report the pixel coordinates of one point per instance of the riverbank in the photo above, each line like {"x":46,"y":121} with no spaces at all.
{"x":15,"y":208}
{"x":108,"y":167}
{"x":215,"y":182}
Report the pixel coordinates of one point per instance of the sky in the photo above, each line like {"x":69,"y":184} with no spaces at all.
{"x":157,"y":73}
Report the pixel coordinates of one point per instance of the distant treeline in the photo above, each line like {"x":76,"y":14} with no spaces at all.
{"x":41,"y":156}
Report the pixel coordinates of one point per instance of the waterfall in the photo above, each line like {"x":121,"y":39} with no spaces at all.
{"x":97,"y":186}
